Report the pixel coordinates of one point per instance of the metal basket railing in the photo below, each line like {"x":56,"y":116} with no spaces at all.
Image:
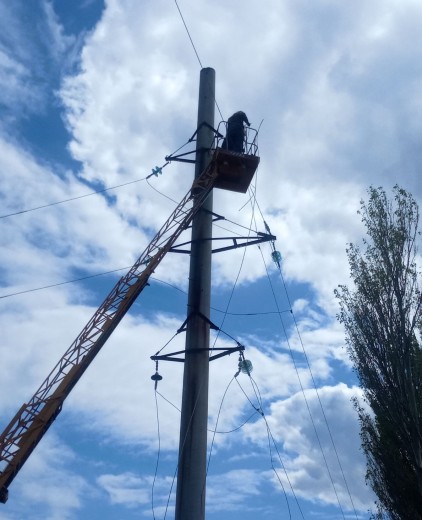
{"x":250,"y":140}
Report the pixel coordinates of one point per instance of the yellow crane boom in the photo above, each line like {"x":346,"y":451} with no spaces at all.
{"x":28,"y":426}
{"x":226,"y":170}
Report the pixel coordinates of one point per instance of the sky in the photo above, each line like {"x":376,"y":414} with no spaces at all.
{"x":94,"y":95}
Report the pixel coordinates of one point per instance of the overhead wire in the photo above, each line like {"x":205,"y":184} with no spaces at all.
{"x":188,"y":33}
{"x":252,"y":200}
{"x":294,"y":362}
{"x":196,"y":52}
{"x":154,"y":173}
{"x":320,"y":403}
{"x":153,"y":278}
{"x":234,"y":286}
{"x":158,"y":454}
{"x":304,"y":394}
{"x":220,"y":432}
{"x":216,"y":425}
{"x":314,"y":384}
{"x":311,"y":373}
{"x":25,"y":291}
{"x":161,"y":193}
{"x":96,"y":192}
{"x":270,"y":436}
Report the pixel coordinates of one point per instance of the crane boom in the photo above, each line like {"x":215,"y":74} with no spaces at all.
{"x":34,"y":418}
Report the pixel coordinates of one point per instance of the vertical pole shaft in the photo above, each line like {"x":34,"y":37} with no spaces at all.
{"x":191,"y":475}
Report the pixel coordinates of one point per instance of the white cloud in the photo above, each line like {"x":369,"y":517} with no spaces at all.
{"x":47,"y":486}
{"x":126,"y":489}
{"x":226,"y":492}
{"x":33,"y":54}
{"x":338,"y":87}
{"x":302,"y":455}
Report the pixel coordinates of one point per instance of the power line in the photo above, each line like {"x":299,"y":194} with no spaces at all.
{"x":220,"y":432}
{"x":69,"y":200}
{"x":154,"y":172}
{"x":270,"y":436}
{"x":196,"y":52}
{"x":319,"y":399}
{"x":61,"y":283}
{"x":83,"y":278}
{"x":315,"y":387}
{"x":309,"y":368}
{"x":188,"y":33}
{"x":304,"y":394}
{"x":158,"y":454}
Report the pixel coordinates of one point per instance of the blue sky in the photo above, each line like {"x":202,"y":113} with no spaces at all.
{"x":95,"y":94}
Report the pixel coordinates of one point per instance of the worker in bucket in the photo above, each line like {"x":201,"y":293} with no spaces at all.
{"x":235,"y":135}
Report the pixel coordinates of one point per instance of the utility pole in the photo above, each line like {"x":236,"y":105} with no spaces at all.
{"x":191,"y":475}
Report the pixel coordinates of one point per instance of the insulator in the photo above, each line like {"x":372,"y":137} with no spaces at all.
{"x":276,"y":256}
{"x":157,"y":170}
{"x":156,"y":377}
{"x":246,"y":366}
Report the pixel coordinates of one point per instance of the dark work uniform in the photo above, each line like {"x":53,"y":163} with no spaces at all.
{"x":235,"y":132}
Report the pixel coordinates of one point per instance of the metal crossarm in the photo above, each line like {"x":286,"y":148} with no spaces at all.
{"x":34,"y":418}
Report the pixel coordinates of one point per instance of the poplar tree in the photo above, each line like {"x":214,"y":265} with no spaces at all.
{"x":382,"y":315}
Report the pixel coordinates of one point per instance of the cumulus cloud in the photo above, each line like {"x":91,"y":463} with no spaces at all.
{"x":337,"y":87}
{"x":314,"y":454}
{"x":49,"y":485}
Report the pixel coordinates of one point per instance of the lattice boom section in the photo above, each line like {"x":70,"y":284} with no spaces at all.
{"x":33,"y":419}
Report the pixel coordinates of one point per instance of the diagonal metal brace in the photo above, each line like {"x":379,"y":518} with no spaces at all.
{"x":248,"y":241}
{"x":222,"y":352}
{"x":212,"y":325}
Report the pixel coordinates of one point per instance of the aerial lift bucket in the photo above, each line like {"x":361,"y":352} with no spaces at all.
{"x":235,"y":170}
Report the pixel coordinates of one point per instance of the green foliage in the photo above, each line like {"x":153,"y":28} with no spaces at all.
{"x":382,"y":317}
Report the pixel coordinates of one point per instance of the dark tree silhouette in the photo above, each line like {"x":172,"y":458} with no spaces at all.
{"x":382,"y":317}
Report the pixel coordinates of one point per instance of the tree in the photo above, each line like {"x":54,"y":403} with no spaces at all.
{"x":382,"y":318}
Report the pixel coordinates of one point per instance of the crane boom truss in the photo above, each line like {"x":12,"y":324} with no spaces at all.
{"x":34,"y":418}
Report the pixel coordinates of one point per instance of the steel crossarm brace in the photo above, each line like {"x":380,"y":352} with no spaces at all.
{"x":236,"y":244}
{"x":34,"y":418}
{"x":223,"y":352}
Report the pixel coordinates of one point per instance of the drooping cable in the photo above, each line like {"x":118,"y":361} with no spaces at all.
{"x":62,"y":283}
{"x":297,"y":373}
{"x":170,"y":492}
{"x":303,"y":390}
{"x":317,"y":393}
{"x":277,"y":262}
{"x":153,"y":278}
{"x":209,"y":429}
{"x":70,"y":199}
{"x":196,"y":52}
{"x":155,"y":172}
{"x":158,"y":452}
{"x":259,"y":409}
{"x":270,"y":436}
{"x":161,"y":193}
{"x":96,"y":192}
{"x":235,"y":282}
{"x":188,"y":33}
{"x":216,"y":426}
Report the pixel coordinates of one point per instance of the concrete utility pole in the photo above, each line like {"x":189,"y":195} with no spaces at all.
{"x":191,"y":476}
